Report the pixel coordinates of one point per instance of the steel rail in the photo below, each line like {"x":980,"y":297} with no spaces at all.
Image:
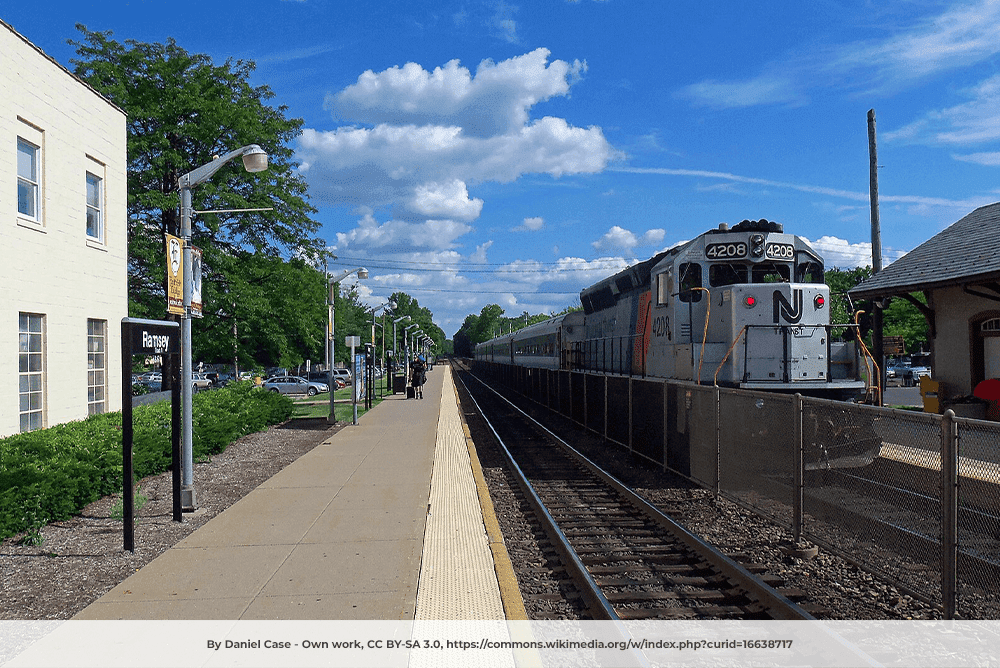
{"x":777,"y":605}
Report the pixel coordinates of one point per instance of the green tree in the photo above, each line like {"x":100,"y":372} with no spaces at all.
{"x":274,"y":313}
{"x":419,"y":315}
{"x":183,"y":110}
{"x":899,"y":317}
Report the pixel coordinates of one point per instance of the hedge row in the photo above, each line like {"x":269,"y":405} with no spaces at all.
{"x":50,"y":474}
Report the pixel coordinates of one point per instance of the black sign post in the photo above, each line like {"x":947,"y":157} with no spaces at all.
{"x":149,"y":337}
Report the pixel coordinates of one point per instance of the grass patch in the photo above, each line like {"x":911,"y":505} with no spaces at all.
{"x":319,"y":405}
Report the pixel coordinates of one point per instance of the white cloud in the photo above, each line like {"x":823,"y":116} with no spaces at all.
{"x":962,"y":206}
{"x":625,"y":241}
{"x":764,"y":89}
{"x":433,"y":133}
{"x":964,"y":34}
{"x":973,"y":122}
{"x":841,"y":253}
{"x":495,"y":101}
{"x":400,"y":236}
{"x":532,"y":224}
{"x":960,"y":36}
{"x":449,"y":200}
{"x":413,"y":146}
{"x":479,"y":256}
{"x":986,"y":159}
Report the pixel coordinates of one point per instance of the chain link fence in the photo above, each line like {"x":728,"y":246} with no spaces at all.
{"x":914,"y":497}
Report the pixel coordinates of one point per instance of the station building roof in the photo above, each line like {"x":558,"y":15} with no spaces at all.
{"x":965,"y":253}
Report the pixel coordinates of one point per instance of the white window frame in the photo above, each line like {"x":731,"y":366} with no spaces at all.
{"x":95,"y":209}
{"x":34,"y":180}
{"x":97,"y":366}
{"x":31,"y":371}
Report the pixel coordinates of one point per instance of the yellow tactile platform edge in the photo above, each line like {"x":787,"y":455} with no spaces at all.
{"x":457,"y":578}
{"x":510,"y":591}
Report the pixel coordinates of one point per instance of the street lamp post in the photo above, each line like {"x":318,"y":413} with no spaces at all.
{"x":331,"y":282}
{"x":254,"y":160}
{"x":407,"y":337}
{"x":395,"y":350}
{"x":407,"y":343}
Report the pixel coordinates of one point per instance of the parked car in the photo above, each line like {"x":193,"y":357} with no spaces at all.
{"x":911,"y":375}
{"x":224,"y":379}
{"x":323,"y":377}
{"x":200,"y":381}
{"x":344,"y":375}
{"x":294,"y":385}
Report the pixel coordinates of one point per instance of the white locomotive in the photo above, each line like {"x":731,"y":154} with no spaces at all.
{"x":740,"y":307}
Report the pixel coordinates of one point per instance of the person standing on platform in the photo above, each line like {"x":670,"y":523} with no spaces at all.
{"x":418,"y":376}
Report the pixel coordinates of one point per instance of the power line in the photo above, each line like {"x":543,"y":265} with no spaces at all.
{"x":406,"y":265}
{"x":409,"y":288}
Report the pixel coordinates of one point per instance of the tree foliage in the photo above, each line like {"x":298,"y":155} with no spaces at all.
{"x":183,"y":111}
{"x":899,"y":317}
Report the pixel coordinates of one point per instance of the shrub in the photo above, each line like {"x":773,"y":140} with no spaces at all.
{"x":50,"y":474}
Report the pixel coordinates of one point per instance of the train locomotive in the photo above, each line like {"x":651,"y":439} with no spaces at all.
{"x":743,"y":306}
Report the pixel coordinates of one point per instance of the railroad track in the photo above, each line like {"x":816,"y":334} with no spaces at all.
{"x":627,"y":559}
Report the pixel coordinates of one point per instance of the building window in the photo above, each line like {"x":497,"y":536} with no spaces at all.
{"x":28,"y":203}
{"x":97,"y":339}
{"x":31,"y":370}
{"x":95,"y":207}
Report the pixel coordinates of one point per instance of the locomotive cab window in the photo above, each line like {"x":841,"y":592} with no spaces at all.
{"x":664,"y":286}
{"x":771,"y":272}
{"x":690,"y":278}
{"x":809,"y":272}
{"x":726,"y":274}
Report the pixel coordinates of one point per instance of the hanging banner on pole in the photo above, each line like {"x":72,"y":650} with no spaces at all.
{"x":175,"y":274}
{"x":196,"y":282}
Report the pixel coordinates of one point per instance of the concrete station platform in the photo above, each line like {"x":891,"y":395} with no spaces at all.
{"x":382,"y":521}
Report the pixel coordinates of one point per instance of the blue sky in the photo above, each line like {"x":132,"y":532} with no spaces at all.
{"x":475,"y":152}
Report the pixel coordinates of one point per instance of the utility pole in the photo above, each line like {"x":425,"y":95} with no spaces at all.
{"x":877,"y":351}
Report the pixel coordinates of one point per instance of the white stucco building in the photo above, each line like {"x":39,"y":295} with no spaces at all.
{"x":63,"y":254}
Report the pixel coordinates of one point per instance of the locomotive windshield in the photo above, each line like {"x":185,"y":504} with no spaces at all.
{"x":736,"y":274}
{"x":807,"y":270}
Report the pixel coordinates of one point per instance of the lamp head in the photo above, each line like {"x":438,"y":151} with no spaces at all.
{"x":255,"y":159}
{"x":362,"y":273}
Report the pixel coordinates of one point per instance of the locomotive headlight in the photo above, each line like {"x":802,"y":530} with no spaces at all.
{"x":757,"y":245}
{"x":819,"y":301}
{"x":749,"y":301}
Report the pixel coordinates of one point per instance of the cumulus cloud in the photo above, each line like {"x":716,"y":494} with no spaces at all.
{"x":401,"y":236}
{"x":532,"y":224}
{"x":496,"y":100}
{"x":414,"y":143}
{"x":449,"y":200}
{"x":421,"y":137}
{"x":625,"y":241}
{"x":843,"y":254}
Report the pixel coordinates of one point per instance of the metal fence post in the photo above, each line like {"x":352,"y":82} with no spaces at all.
{"x":797,"y":467}
{"x":949,"y":513}
{"x":718,"y":441}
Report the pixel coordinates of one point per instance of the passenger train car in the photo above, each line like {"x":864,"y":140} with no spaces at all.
{"x":740,"y":307}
